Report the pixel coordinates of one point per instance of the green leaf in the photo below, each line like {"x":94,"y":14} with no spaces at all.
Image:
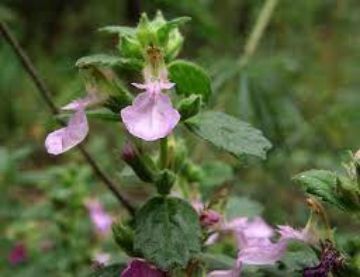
{"x":242,"y":207}
{"x":328,"y":187}
{"x":320,"y":183}
{"x":98,"y":59}
{"x":120,"y":30}
{"x":228,"y":133}
{"x":107,"y":60}
{"x":190,"y":79}
{"x":167,"y":232}
{"x":189,"y":106}
{"x":299,"y":258}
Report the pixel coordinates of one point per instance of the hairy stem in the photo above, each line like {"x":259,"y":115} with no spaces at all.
{"x":164,"y":153}
{"x":46,"y":95}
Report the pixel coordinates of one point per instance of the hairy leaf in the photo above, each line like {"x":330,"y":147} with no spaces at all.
{"x":190,"y":79}
{"x":107,"y":60}
{"x":167,"y":232}
{"x":228,"y":133}
{"x":322,"y":184}
{"x":120,"y":30}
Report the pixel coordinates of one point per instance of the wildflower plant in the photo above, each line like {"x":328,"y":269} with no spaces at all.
{"x":166,"y":97}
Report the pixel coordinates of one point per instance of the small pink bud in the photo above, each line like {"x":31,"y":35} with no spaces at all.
{"x":209,"y":217}
{"x":141,"y":268}
{"x":18,"y":254}
{"x":128,"y":152}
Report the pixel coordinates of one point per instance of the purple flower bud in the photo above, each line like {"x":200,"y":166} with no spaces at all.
{"x":18,"y":254}
{"x":209,"y":218}
{"x":141,"y":268}
{"x":128,"y":152}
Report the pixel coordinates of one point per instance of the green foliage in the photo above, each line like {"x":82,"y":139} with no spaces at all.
{"x":167,"y":232}
{"x":98,"y":59}
{"x":230,"y":134}
{"x":298,"y":258}
{"x":164,"y":181}
{"x":321,"y":183}
{"x":190,"y":79}
{"x":124,"y":237}
{"x":119,"y":30}
{"x":189,"y":107}
{"x":329,"y":187}
{"x":166,"y":29}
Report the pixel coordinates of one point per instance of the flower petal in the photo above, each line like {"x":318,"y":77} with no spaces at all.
{"x":66,"y":138}
{"x":151,"y":116}
{"x":82,"y":103}
{"x":288,"y":233}
{"x":101,"y":220}
{"x":263,"y":252}
{"x":140,"y":268}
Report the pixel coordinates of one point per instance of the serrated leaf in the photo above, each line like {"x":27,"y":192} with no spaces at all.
{"x":120,"y":30}
{"x":190,"y":79}
{"x":167,"y":232}
{"x":229,"y":133}
{"x":98,"y":59}
{"x":320,"y":183}
{"x":107,"y":61}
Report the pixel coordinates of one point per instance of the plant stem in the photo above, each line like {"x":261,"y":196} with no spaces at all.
{"x":46,"y":95}
{"x":257,"y":31}
{"x":164,"y":153}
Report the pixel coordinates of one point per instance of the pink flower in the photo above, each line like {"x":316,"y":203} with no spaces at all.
{"x":288,"y":233}
{"x":77,"y":129}
{"x":151,"y":116}
{"x":255,"y":245}
{"x":18,"y":254}
{"x":140,"y":268}
{"x":101,"y":220}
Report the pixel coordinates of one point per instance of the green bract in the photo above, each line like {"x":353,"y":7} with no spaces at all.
{"x":167,"y":232}
{"x":229,"y":133}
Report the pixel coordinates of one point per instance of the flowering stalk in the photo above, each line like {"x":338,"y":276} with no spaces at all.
{"x":46,"y":95}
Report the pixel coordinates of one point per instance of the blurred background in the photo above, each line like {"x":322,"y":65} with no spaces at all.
{"x":301,"y":88}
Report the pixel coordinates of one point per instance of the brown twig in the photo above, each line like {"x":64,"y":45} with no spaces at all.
{"x":46,"y":95}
